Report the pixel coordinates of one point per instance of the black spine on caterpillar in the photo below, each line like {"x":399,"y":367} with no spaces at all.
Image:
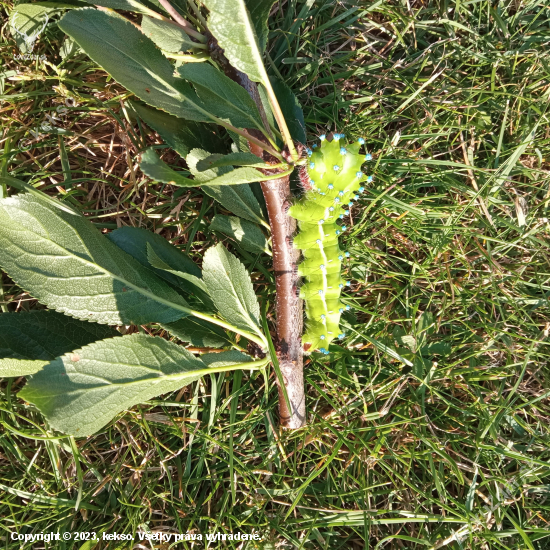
{"x":333,"y":177}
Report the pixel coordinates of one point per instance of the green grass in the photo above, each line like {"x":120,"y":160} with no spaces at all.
{"x":439,"y":399}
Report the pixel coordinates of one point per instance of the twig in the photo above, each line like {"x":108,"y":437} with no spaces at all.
{"x":288,"y":305}
{"x":259,"y":142}
{"x":182,"y":22}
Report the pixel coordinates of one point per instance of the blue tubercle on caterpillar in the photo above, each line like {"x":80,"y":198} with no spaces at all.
{"x":331,"y":179}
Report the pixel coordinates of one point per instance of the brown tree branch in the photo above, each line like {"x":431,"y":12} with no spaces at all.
{"x":288,"y":308}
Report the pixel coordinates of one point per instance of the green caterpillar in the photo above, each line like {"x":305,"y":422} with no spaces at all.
{"x":333,"y":177}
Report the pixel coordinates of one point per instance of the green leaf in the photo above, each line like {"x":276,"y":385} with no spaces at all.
{"x":81,"y":392}
{"x":224,"y":97}
{"x":156,"y":261}
{"x":54,"y":5}
{"x":27,"y":23}
{"x":126,"y":5}
{"x":158,"y":170}
{"x":238,"y":199}
{"x":240,"y":143}
{"x":134,"y":241}
{"x":231,"y":159}
{"x":264,"y":98}
{"x":231,"y":24}
{"x":137,"y":242}
{"x":404,"y":339}
{"x":291,"y":108}
{"x":259,"y":13}
{"x":426,"y":323}
{"x":223,"y":175}
{"x":236,"y":177}
{"x":40,"y":195}
{"x":194,"y":286}
{"x":134,"y":61}
{"x":198,"y":333}
{"x":167,"y":261}
{"x":61,"y":259}
{"x":225,"y":358}
{"x":256,"y":189}
{"x":166,"y":35}
{"x":231,"y":289}
{"x":30,"y":340}
{"x":247,"y":234}
{"x":69,"y":48}
{"x":180,"y":135}
{"x":10,"y":368}
{"x":437,"y":348}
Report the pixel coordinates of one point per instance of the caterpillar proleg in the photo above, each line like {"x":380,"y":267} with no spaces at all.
{"x":334,"y":177}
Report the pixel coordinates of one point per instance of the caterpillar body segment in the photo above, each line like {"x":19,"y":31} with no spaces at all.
{"x":334,"y":178}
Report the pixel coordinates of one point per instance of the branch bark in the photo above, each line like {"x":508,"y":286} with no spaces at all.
{"x":288,"y":308}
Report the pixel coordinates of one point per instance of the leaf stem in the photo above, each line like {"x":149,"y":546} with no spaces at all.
{"x":224,"y":324}
{"x":186,"y":57}
{"x":144,"y":9}
{"x":198,"y":14}
{"x":210,"y":370}
{"x":279,"y":175}
{"x":183,"y":23}
{"x":240,"y":366}
{"x":252,"y":139}
{"x":279,"y":117}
